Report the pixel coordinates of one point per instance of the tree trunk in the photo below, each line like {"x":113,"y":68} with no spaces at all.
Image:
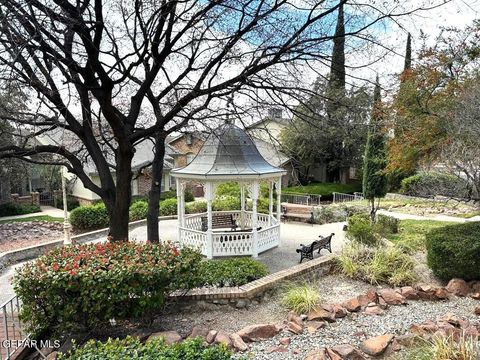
{"x":154,"y":194}
{"x":123,"y":197}
{"x":373,"y":210}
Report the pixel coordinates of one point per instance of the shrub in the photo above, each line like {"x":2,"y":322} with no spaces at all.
{"x":89,"y":217}
{"x":168,"y":207}
{"x":377,"y":265}
{"x":362,"y":230}
{"x":138,"y":210}
{"x":72,"y":202}
{"x":170,"y":194}
{"x":301,"y":298}
{"x":226,"y":203}
{"x":228,"y":189}
{"x":196,"y":207}
{"x":188,"y":195}
{"x":429,"y":184}
{"x":230,"y":272}
{"x":387,"y":224}
{"x":90,"y":284}
{"x":11,"y":209}
{"x":453,"y":251}
{"x":329,"y":214}
{"x":132,"y":348}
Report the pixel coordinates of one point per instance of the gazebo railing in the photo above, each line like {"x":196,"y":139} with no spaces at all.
{"x":232,"y":243}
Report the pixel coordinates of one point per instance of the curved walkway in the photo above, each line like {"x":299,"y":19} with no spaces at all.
{"x":439,"y":217}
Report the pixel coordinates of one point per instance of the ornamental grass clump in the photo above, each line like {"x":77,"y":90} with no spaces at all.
{"x":87,"y":285}
{"x":301,"y":298}
{"x":446,"y":348}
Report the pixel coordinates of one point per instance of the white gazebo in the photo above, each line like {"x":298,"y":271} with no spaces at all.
{"x":229,"y":155}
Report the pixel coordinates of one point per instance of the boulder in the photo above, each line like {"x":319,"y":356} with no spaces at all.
{"x":348,"y":352}
{"x":376,"y":345}
{"x":294,"y":328}
{"x":458,"y":287}
{"x":170,"y":337}
{"x":352,"y":305}
{"x":293,"y":317}
{"x":319,"y":354}
{"x":237,"y":342}
{"x":409,"y":293}
{"x":223,"y":338}
{"x":477,"y":311}
{"x":199,"y":331}
{"x":211,"y":336}
{"x":321,"y":314}
{"x":258,"y":332}
{"x":392,"y":297}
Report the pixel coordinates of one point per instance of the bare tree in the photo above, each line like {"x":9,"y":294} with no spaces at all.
{"x":108,"y":75}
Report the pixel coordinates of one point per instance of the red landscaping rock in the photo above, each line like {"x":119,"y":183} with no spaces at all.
{"x":258,"y":332}
{"x":313,"y":326}
{"x":338,"y":310}
{"x":294,"y":328}
{"x":223,"y":338}
{"x":279,"y":349}
{"x":409,"y":293}
{"x":317,"y":355}
{"x":368,"y":297}
{"x":199,"y":331}
{"x":392,"y":297}
{"x":211,"y":336}
{"x":426,"y":292}
{"x":293,"y":317}
{"x":237,"y":342}
{"x":332,"y":355}
{"x":382,"y":303}
{"x":348,"y":352}
{"x":321,"y":314}
{"x":373,"y":310}
{"x":475,"y":286}
{"x":170,"y":337}
{"x":458,"y":287}
{"x":441,"y":293}
{"x":377,"y":345}
{"x":285,"y":341}
{"x":477,"y":311}
{"x":406,"y":340}
{"x":352,"y":305}
{"x":427,"y":327}
{"x":475,"y":295}
{"x":452,"y":319}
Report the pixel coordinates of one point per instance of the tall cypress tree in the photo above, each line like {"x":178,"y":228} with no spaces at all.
{"x":408,"y":53}
{"x":375,"y":160}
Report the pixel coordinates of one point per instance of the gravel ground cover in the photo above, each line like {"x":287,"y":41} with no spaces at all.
{"x":18,"y":235}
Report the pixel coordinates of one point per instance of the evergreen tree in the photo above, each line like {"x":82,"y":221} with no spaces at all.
{"x":375,"y":160}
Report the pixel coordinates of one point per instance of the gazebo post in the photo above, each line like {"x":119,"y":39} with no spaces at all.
{"x":270,"y":202}
{"x":209,"y":195}
{"x":279,"y":198}
{"x":254,"y":194}
{"x":242,"y":205}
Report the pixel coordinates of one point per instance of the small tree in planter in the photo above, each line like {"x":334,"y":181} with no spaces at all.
{"x":375,"y":160}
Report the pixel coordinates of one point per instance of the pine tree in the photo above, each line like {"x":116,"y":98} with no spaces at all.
{"x":375,"y":160}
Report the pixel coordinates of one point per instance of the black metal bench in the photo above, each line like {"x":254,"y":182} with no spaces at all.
{"x":306,"y":252}
{"x":220,"y":221}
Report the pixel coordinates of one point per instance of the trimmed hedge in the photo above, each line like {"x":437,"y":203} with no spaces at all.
{"x":133,"y":349}
{"x":87,"y":285}
{"x":430,"y":184}
{"x":454,"y":251}
{"x":11,"y":209}
{"x":89,"y":217}
{"x":72,"y":203}
{"x":230,"y":272}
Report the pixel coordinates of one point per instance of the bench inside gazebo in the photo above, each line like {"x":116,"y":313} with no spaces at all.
{"x":227,"y":155}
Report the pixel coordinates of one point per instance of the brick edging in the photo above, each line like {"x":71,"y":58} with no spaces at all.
{"x":255,"y":287}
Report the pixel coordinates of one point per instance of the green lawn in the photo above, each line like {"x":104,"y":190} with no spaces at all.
{"x":33,"y":218}
{"x":411,"y":235}
{"x":324,"y":189}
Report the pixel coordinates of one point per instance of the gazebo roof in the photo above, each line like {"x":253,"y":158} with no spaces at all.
{"x":228,"y":152}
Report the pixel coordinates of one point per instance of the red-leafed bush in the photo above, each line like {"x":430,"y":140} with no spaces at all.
{"x":91,"y":284}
